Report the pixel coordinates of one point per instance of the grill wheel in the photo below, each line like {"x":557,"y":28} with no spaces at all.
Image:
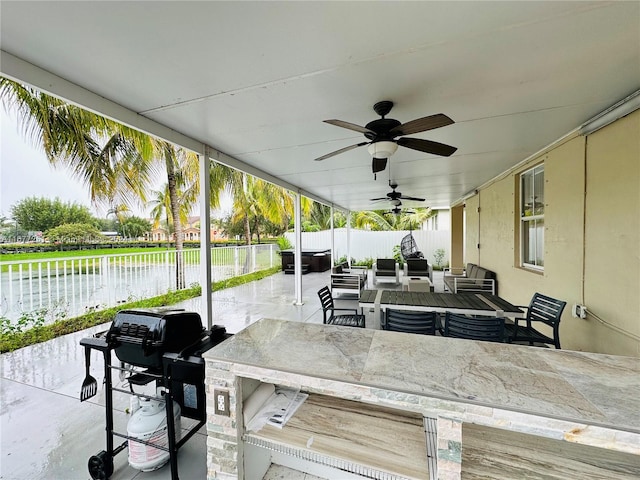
{"x":101,"y":466}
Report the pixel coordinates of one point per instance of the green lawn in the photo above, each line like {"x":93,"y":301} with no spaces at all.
{"x":262,"y":257}
{"x":11,"y":257}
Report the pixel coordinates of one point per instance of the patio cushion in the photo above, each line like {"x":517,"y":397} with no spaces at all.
{"x":471,"y":270}
{"x":385,"y":273}
{"x":417,"y":267}
{"x":386,"y":264}
{"x":483,"y":274}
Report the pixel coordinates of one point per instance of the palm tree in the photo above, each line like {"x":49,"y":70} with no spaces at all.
{"x":161,"y":209}
{"x":374,"y":220}
{"x":115,"y":162}
{"x":182,"y":192}
{"x":319,"y":217}
{"x":118,"y":163}
{"x":120,"y":212}
{"x":413,"y":220}
{"x":254,"y":197}
{"x":99,"y":152}
{"x":383,"y":220}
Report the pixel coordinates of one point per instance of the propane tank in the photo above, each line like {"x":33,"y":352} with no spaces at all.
{"x":149,"y":423}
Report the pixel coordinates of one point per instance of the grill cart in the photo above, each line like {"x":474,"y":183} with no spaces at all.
{"x":163,"y":346}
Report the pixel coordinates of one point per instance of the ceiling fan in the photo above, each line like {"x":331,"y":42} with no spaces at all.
{"x":383,"y":134}
{"x":395,"y":196}
{"x":397,"y":211}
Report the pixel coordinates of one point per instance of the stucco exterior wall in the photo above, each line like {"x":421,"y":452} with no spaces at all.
{"x":592,"y":237}
{"x":612,"y":231}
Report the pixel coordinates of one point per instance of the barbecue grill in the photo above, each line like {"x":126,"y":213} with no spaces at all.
{"x":164,"y":346}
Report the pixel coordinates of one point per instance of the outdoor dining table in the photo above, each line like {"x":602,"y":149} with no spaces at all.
{"x":460,"y":303}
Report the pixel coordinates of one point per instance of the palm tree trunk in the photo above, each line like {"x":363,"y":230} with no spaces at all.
{"x":177,"y":225}
{"x":247,"y":230}
{"x":247,"y":235}
{"x":256,"y":228}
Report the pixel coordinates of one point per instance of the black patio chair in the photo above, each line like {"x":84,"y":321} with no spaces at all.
{"x":410,"y":322}
{"x":348,"y":320}
{"x":488,"y":329}
{"x":542,"y":309}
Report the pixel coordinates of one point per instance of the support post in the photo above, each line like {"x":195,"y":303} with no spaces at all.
{"x":333,"y":238}
{"x":297,"y":253}
{"x":456,"y":260}
{"x":349,"y":237}
{"x":205,"y":236}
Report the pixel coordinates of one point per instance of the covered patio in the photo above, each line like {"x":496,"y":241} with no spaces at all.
{"x":46,"y":433}
{"x":518,"y":81}
{"x":546,"y":91}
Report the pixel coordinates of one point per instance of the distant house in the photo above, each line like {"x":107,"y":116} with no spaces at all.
{"x":191,"y":232}
{"x":440,"y":220}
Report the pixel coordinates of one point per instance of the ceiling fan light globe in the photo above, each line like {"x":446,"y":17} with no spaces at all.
{"x":396,"y":202}
{"x":382,"y":149}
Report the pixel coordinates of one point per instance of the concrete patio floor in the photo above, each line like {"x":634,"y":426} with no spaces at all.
{"x":47,"y":433}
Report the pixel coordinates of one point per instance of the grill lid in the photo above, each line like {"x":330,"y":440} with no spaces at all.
{"x":141,"y":336}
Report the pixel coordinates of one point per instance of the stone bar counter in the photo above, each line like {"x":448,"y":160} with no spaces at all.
{"x":484,"y":405}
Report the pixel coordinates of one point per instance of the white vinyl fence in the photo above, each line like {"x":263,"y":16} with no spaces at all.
{"x":366,"y":244}
{"x":67,"y":287}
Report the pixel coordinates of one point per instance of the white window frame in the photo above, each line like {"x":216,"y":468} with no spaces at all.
{"x":529,"y":175}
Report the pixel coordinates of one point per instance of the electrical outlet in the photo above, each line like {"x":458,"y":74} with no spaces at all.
{"x":582,"y":311}
{"x":579,"y":311}
{"x":221,"y":402}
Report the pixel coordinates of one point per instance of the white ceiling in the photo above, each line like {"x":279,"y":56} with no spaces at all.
{"x":255,"y":79}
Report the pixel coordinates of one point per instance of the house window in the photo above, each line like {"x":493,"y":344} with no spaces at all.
{"x":532,"y":218}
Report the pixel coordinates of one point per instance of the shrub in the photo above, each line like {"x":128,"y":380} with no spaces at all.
{"x":284,"y":243}
{"x":397,"y":254}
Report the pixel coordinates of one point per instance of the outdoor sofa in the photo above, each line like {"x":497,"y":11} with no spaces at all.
{"x":473,"y":279}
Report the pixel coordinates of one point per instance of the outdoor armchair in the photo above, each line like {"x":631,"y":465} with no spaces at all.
{"x":329,"y":316}
{"x":386,"y":270}
{"x":410,"y":322}
{"x":349,"y":280}
{"x":418,"y":267}
{"x":543,"y":310}
{"x":488,"y":329}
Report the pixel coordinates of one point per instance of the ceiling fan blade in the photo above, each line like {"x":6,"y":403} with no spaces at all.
{"x":415,"y":199}
{"x":379,"y":199}
{"x":350,"y":126}
{"x":422,"y":124}
{"x":342,"y":150}
{"x":427,"y":146}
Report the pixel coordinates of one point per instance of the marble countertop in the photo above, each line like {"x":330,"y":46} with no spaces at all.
{"x":588,"y":388}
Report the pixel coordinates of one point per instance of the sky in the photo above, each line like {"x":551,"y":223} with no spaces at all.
{"x":26,"y":172}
